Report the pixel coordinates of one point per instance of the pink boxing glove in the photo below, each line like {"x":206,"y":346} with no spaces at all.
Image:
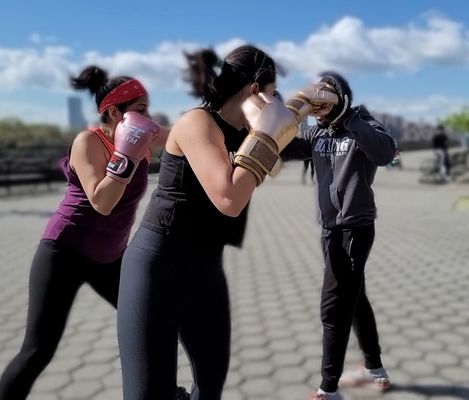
{"x":132,"y":139}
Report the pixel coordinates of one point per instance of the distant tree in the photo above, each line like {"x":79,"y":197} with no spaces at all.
{"x":14,"y":132}
{"x":459,"y":121}
{"x":46,"y":135}
{"x":46,"y":131}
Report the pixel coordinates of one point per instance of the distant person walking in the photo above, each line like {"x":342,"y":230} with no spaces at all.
{"x":440,"y":146}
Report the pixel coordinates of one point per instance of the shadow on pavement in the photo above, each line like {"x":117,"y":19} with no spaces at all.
{"x":458,"y":392}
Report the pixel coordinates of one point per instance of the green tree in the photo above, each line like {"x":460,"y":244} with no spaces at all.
{"x":459,"y":121}
{"x":13,"y":131}
{"x":46,"y":134}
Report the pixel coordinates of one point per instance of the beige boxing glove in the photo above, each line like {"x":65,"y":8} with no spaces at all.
{"x":273,"y":126}
{"x":316,"y":99}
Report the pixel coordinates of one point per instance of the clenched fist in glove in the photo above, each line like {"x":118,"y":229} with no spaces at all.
{"x":273,"y":126}
{"x":316,"y":99}
{"x":132,"y":139}
{"x":342,"y":109}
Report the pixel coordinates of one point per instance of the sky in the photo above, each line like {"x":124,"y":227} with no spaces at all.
{"x":407,"y":58}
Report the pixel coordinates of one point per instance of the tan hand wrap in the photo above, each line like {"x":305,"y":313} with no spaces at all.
{"x":259,"y":154}
{"x":316,"y":99}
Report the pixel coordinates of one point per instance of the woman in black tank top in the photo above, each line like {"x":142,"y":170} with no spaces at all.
{"x":172,"y":282}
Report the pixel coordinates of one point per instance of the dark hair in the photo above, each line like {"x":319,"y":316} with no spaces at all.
{"x":244,"y":65}
{"x":96,"y":81}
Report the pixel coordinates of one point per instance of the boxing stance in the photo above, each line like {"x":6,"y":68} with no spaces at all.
{"x":347,"y":145}
{"x":172,"y":280}
{"x":83,"y":241}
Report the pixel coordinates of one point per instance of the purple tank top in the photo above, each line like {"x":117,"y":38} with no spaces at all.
{"x":80,"y":227}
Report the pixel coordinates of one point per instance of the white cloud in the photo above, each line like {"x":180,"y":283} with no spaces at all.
{"x":347,"y":46}
{"x":222,"y":49}
{"x":159,"y":68}
{"x":38,"y":39}
{"x":31,"y":68}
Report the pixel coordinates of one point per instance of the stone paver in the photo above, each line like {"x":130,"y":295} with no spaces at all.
{"x":417,"y":280}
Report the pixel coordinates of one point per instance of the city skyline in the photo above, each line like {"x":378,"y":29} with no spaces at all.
{"x":76,"y":119}
{"x":405,"y":59}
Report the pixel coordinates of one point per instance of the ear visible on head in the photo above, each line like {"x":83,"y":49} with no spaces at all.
{"x":114,"y":114}
{"x":255,"y":88}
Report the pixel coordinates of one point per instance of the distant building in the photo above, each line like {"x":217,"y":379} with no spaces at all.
{"x":396,"y":125}
{"x":412,"y":134}
{"x":76,"y":119}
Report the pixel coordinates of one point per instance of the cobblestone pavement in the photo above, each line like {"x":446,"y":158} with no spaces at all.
{"x":417,"y":280}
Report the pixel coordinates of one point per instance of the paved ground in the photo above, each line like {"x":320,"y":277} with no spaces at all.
{"x":417,"y":278}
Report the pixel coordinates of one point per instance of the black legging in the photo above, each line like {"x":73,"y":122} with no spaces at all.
{"x":168,"y":287}
{"x":344,"y":302}
{"x":56,"y":275}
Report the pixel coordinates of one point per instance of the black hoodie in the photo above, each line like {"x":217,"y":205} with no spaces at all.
{"x":345,"y":160}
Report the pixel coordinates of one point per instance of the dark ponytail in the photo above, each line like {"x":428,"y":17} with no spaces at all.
{"x":97,"y":82}
{"x":201,"y":72}
{"x":92,"y":78}
{"x":244,"y":65}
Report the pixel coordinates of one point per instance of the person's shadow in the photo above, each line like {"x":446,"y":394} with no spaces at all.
{"x":458,"y":392}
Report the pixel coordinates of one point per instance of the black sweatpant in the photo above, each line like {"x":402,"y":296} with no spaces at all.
{"x":344,"y":302}
{"x":55,"y":277}
{"x":172,"y":286}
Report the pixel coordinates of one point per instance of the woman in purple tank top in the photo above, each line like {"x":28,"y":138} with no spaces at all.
{"x":85,"y":238}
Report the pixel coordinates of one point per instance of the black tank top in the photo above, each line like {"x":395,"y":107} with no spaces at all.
{"x":180,"y":206}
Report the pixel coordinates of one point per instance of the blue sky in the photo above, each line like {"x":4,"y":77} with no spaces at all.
{"x":408,"y":58}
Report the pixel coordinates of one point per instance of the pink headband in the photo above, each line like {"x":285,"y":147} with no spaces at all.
{"x":123,"y":93}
